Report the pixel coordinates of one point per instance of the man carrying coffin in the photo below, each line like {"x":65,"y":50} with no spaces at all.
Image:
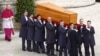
{"x":39,"y":36}
{"x":23,"y":30}
{"x":91,"y":37}
{"x":50,"y":37}
{"x":62,"y":39}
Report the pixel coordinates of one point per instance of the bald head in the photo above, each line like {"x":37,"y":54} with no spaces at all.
{"x":81,"y":21}
{"x":49,"y":19}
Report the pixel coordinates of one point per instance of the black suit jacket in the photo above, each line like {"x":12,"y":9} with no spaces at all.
{"x":50,"y":37}
{"x":23,"y":30}
{"x":91,"y":36}
{"x":39,"y":32}
{"x":62,"y":39}
{"x":31,"y":29}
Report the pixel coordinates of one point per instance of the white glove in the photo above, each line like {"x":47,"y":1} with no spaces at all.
{"x":44,"y":22}
{"x":35,"y":20}
{"x":76,"y":30}
{"x":81,"y":27}
{"x":55,"y":25}
{"x":66,"y":27}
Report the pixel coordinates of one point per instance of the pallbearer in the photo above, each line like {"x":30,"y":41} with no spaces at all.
{"x":39,"y":35}
{"x":83,"y":38}
{"x":57,"y":34}
{"x":23,"y":30}
{"x":91,"y":37}
{"x":72,"y":34}
{"x":31,"y":32}
{"x":80,"y":28}
{"x":62,"y":39}
{"x":7,"y":16}
{"x":50,"y":37}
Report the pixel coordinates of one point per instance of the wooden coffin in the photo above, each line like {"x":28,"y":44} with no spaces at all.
{"x":57,"y":13}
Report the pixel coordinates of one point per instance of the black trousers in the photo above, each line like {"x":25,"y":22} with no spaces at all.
{"x":92,"y":50}
{"x":28,"y":44}
{"x":87,"y":53}
{"x":61,"y":50}
{"x":50,"y":49}
{"x":34,"y":45}
{"x":79,"y":47}
{"x":86,"y":47}
{"x":23,"y":43}
{"x":40,"y":47}
{"x":57,"y":45}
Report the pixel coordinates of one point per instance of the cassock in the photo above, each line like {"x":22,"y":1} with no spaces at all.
{"x":7,"y":16}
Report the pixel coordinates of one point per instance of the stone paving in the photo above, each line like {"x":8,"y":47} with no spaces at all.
{"x":13,"y":48}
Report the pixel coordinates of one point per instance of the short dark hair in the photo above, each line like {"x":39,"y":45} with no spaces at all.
{"x":89,"y":21}
{"x":38,"y":15}
{"x":70,"y":24}
{"x":61,"y":20}
{"x":31,"y":14}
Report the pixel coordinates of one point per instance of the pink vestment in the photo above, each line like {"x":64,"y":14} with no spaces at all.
{"x":7,"y":16}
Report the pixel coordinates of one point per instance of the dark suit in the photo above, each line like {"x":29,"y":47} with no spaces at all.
{"x":80,"y":35}
{"x":92,"y":39}
{"x":57,"y":34}
{"x":30,"y":34}
{"x":39,"y":36}
{"x":86,"y":42}
{"x":72,"y":34}
{"x":23,"y":31}
{"x":62,"y":40}
{"x":50,"y":38}
{"x":83,"y":38}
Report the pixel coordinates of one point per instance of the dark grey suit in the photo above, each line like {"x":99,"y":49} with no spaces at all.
{"x":23,"y":31}
{"x":39,"y":36}
{"x":62,"y":40}
{"x":92,"y":40}
{"x":50,"y":38}
{"x":30,"y":34}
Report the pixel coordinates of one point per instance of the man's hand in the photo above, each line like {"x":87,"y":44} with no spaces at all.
{"x":44,"y":22}
{"x":55,"y":25}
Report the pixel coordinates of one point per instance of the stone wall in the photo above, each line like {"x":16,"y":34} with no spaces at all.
{"x":68,"y":3}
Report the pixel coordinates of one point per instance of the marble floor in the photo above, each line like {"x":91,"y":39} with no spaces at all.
{"x":92,"y":13}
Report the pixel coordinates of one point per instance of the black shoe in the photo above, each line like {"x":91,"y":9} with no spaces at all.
{"x":81,"y":55}
{"x":38,"y":52}
{"x":23,"y":50}
{"x":57,"y":50}
{"x":8,"y":40}
{"x":48,"y":54}
{"x":53,"y":55}
{"x":33,"y":50}
{"x":29,"y":50}
{"x":43,"y":52}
